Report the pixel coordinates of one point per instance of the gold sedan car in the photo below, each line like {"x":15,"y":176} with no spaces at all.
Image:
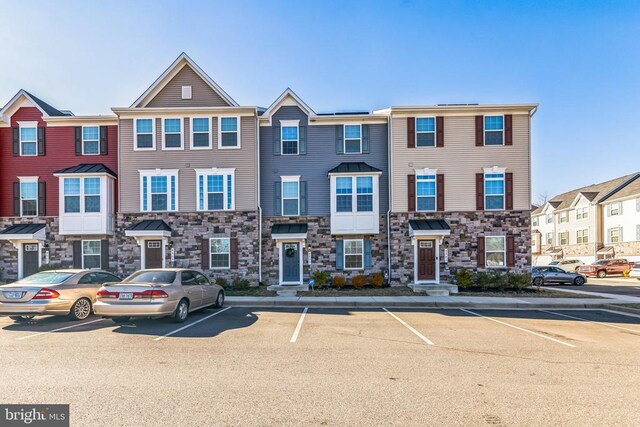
{"x":59,"y":292}
{"x":173,"y":292}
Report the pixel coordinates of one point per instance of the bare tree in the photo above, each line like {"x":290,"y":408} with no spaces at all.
{"x":543,"y":198}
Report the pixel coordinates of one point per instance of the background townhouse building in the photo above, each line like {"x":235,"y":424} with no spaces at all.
{"x":579,"y":225}
{"x":324,"y":192}
{"x":57,"y":187}
{"x":189,"y":168}
{"x":460,"y":190}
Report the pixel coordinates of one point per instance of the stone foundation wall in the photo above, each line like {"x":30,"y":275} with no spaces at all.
{"x":630,"y":250}
{"x":462,"y":244}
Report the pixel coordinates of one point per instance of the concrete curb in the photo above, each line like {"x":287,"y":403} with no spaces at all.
{"x":623,"y":309}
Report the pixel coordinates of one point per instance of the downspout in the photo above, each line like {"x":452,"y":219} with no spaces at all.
{"x":389,"y":179}
{"x":258,"y":198}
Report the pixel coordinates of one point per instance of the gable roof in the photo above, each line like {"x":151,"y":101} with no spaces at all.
{"x":46,"y":109}
{"x":280,"y":100}
{"x":181,"y":61}
{"x":632,"y":188}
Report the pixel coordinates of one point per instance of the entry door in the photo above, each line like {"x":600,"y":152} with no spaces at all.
{"x":29,"y":259}
{"x":426,"y":260}
{"x":153,"y":254}
{"x":291,"y":262}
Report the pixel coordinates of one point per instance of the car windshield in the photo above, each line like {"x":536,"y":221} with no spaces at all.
{"x":601,"y":262}
{"x":151,"y":277}
{"x":554,"y":263}
{"x":45,"y":277}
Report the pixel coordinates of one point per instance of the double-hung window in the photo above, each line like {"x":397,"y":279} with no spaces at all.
{"x":172,"y":134}
{"x":90,"y":140}
{"x":425,"y":132}
{"x":290,"y":197}
{"x":92,"y":194}
{"x":495,"y":251}
{"x":290,"y":140}
{"x":229,"y":137}
{"x":200,"y":132}
{"x":219,"y":251}
{"x":582,"y":236}
{"x":564,"y":216}
{"x":563,"y":238}
{"x":494,"y":191}
{"x":363,"y":192}
{"x":535,"y":221}
{"x":582,"y":213}
{"x":352,"y":139}
{"x":159,"y":191}
{"x":426,"y":192}
{"x":353,"y":254}
{"x":215,"y":189}
{"x":364,"y":189}
{"x":29,"y":139}
{"x":344,"y":194}
{"x":91,"y":254}
{"x":144,"y":135}
{"x":549,"y":238}
{"x":615,"y":235}
{"x":28,"y":197}
{"x":72,"y":195}
{"x":493,"y":130}
{"x":81,"y":195}
{"x":549,"y":218}
{"x":615,"y":209}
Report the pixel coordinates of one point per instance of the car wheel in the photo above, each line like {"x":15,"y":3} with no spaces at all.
{"x":80,"y":310}
{"x":219,"y":300}
{"x":24,"y":318}
{"x":538,"y":281}
{"x":120,"y":320}
{"x":182,"y":311}
{"x":578,"y":281}
{"x":602,"y":274}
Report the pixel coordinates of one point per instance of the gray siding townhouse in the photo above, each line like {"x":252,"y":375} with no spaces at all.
{"x":188,"y":182}
{"x":324,"y":192}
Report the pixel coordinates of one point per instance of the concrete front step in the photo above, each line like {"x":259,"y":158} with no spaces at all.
{"x":439,"y":290}
{"x":288,"y":290}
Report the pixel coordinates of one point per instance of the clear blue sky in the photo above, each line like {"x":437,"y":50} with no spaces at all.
{"x":579,"y":59}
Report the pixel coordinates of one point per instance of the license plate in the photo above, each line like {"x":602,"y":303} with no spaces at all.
{"x":126,"y":295}
{"x":12,"y":295}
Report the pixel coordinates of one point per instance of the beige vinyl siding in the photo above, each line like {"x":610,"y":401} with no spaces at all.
{"x":202,"y":95}
{"x":459,"y":160}
{"x":244,"y":160}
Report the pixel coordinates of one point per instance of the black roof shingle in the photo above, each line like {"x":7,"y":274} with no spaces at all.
{"x":429,"y":224}
{"x":23,"y":229}
{"x":88,"y":168}
{"x":52,"y":111}
{"x":289,"y":228}
{"x":150,"y":225}
{"x":353,"y":167}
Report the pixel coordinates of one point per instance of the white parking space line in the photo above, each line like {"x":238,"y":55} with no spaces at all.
{"x":59,"y":329}
{"x":408,"y":326}
{"x":190,"y":324}
{"x":518,"y":328}
{"x":294,"y":337}
{"x":591,"y":321}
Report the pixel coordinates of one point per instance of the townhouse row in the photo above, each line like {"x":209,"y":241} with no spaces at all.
{"x":187,"y":177}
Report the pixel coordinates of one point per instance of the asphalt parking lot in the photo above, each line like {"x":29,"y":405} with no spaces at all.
{"x":332,"y":366}
{"x":628,"y":287}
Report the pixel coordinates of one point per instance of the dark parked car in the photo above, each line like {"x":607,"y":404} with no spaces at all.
{"x":554,"y":275}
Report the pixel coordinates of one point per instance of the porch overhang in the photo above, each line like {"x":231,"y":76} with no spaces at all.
{"x":296,"y":231}
{"x":607,"y":250}
{"x":149,"y":228}
{"x":555,"y":251}
{"x":428,"y":227}
{"x":24,"y":232}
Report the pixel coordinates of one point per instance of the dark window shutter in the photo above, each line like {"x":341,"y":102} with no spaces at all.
{"x":16,"y":199}
{"x":339,"y":137}
{"x":104,"y":140}
{"x":42,"y":198}
{"x":204,"y":253}
{"x":368,"y":260}
{"x":508,"y":132}
{"x":508,"y":191}
{"x":411,"y":192}
{"x":480,"y":255}
{"x":234,"y":253}
{"x":303,"y":197}
{"x":77,"y":254}
{"x":479,"y":131}
{"x":104,"y":254}
{"x":15,"y":133}
{"x":339,"y":255}
{"x":440,"y":131}
{"x":365,"y":139}
{"x":277,"y":198}
{"x":479,"y":191}
{"x":440,"y":191}
{"x":276,"y":139}
{"x":511,"y":252}
{"x":411,"y":132}
{"x":78,"y":140}
{"x":41,"y":147}
{"x":302,"y":139}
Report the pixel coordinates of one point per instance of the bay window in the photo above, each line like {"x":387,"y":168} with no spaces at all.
{"x":81,"y":195}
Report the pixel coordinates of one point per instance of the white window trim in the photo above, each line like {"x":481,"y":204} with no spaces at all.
{"x":535,"y":221}
{"x":563,"y":217}
{"x":153,"y":134}
{"x":83,"y":140}
{"x":611,"y":234}
{"x":160,"y":172}
{"x":82,"y":250}
{"x":560,"y":234}
{"x":504,"y":251}
{"x":186,"y":92}
{"x":585,"y":235}
{"x":191,"y":133}
{"x":484,"y":130}
{"x":582,"y":213}
{"x":344,"y":138}
{"x":434,"y":132}
{"x":211,"y":253}
{"x":223,"y":173}
{"x":284,"y":179}
{"x":27,"y":125}
{"x":28,"y":180}
{"x":547,"y":238}
{"x":238,"y":131}
{"x":427,"y":171}
{"x":81,"y":195}
{"x":617,"y":205}
{"x":495,"y":170}
{"x":164,"y":134}
{"x":289,"y":124}
{"x":344,"y":254}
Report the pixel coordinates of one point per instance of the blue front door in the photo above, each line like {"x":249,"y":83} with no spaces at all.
{"x":291,"y":262}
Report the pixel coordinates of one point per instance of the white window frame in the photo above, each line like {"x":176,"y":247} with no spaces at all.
{"x":84,"y":153}
{"x":344,"y":254}
{"x":289,"y":124}
{"x":219,"y":172}
{"x":165,"y":133}
{"x":563,"y":217}
{"x":617,"y":209}
{"x":284,"y":179}
{"x":238,"y":132}
{"x":484,"y":130}
{"x":28,"y":180}
{"x":99,"y":255}
{"x":191,"y":132}
{"x":344,"y":138}
{"x":637,"y":232}
{"x":187,"y":92}
{"x":160,"y":172}
{"x":549,"y":238}
{"x":354,"y":194}
{"x":22,"y":125}
{"x":434,"y":132}
{"x":211,"y":253}
{"x":582,"y":213}
{"x":535,"y":221}
{"x":618,"y":230}
{"x":549,"y":216}
{"x":428,"y":172}
{"x":582,"y":236}
{"x":493,"y":171}
{"x":504,"y":251}
{"x":153,"y":134}
{"x":560,"y":235}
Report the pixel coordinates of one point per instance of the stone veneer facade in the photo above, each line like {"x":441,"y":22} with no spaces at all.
{"x":322,"y":246}
{"x":461,"y":244}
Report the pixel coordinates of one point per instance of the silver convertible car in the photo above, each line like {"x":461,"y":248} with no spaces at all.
{"x":173,"y":292}
{"x":547,"y":275}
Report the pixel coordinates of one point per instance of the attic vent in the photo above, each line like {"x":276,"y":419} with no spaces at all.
{"x":186,"y":92}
